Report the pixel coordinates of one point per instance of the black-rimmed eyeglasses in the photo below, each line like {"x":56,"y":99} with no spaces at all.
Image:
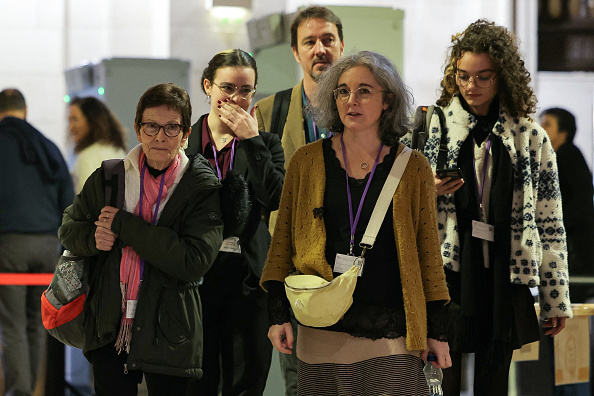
{"x":152,"y":128}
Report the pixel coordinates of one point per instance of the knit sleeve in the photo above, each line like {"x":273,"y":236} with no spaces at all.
{"x":428,"y":246}
{"x":279,"y":262}
{"x":554,"y":278}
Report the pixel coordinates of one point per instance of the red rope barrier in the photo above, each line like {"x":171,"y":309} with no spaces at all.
{"x":25,"y":279}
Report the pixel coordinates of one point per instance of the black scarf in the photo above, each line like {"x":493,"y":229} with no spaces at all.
{"x":482,"y":305}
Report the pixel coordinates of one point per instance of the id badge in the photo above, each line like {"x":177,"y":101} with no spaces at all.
{"x":231,"y":245}
{"x":483,"y":231}
{"x":344,"y":262}
{"x":131,"y":309}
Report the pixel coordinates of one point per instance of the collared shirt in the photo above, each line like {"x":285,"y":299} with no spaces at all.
{"x":223,"y":156}
{"x":312,"y":131}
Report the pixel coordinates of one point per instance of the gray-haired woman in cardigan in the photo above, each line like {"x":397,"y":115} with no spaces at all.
{"x":501,"y":227}
{"x":394,"y":321}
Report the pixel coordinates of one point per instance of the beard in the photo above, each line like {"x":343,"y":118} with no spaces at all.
{"x":316,"y":75}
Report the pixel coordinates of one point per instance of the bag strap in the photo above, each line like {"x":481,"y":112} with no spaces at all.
{"x":420,"y":133}
{"x":114,"y":181}
{"x":443,"y":143}
{"x":385,"y":198}
{"x":280,"y":109}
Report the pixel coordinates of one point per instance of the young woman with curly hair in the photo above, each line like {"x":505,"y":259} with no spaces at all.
{"x":501,"y":228}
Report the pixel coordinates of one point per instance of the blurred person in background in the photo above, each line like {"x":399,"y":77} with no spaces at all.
{"x":97,"y":136}
{"x":35,"y":189}
{"x":577,"y":192}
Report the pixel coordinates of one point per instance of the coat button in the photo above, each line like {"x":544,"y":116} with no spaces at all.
{"x":137,"y":328}
{"x":258,"y":157}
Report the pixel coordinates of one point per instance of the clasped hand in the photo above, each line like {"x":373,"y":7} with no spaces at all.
{"x":104,"y":236}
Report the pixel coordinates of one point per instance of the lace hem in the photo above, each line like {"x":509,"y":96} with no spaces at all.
{"x":278,"y":304}
{"x":437,"y":320}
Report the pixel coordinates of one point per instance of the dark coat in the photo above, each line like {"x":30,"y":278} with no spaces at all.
{"x":575,"y":182}
{"x":167,"y":330}
{"x":36,"y":184}
{"x":260,"y":160}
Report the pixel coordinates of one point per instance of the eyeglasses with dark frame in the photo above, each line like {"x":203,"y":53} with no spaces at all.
{"x":246,"y":92}
{"x":463,"y":79}
{"x":362,"y":94}
{"x":152,"y":128}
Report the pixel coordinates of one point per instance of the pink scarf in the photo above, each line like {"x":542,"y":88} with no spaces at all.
{"x":130,"y":265}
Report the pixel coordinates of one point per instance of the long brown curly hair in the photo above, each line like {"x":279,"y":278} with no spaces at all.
{"x":514,"y":92}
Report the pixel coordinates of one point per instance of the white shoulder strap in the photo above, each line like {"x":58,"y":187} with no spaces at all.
{"x":385,"y":197}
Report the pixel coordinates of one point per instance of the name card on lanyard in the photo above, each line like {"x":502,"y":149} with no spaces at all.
{"x":231,"y":244}
{"x":482,"y":229}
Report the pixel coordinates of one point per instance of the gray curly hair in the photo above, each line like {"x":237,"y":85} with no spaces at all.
{"x":394,"y":121}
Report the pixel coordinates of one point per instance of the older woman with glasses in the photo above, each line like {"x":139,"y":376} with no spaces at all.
{"x":501,"y":227}
{"x":143,"y":314}
{"x":234,"y":306}
{"x":330,"y":192}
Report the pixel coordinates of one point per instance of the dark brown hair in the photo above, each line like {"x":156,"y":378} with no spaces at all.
{"x":314,"y":12}
{"x":228,"y":58}
{"x":103,"y":125}
{"x":168,"y":94}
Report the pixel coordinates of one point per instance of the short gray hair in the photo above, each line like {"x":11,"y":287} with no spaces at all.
{"x":394,"y":121}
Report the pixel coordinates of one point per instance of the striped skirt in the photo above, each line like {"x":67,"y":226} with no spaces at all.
{"x":338,"y":364}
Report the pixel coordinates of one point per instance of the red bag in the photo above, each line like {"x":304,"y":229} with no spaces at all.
{"x":62,"y":304}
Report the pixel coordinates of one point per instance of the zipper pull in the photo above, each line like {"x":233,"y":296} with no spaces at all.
{"x":125,"y":368}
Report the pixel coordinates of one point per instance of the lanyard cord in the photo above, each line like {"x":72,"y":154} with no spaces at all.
{"x":356,"y":220}
{"x":214,"y":152}
{"x":485,"y":164}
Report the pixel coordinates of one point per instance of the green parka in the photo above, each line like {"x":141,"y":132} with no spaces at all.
{"x":178,"y":250}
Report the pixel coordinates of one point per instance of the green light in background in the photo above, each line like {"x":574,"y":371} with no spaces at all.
{"x":66,"y":98}
{"x":100,"y":90}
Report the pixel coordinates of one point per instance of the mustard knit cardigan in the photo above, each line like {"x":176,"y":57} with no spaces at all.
{"x":299,"y":238}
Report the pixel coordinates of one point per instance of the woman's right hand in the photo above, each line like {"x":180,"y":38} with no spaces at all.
{"x":446,"y":185}
{"x":104,"y":236}
{"x":281,"y":337}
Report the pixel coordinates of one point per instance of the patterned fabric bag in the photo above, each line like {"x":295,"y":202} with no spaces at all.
{"x":63,"y":303}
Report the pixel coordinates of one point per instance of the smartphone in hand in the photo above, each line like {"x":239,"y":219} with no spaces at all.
{"x":452,"y":173}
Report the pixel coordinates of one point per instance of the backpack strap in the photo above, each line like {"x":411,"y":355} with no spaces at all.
{"x":114,"y":180}
{"x":419,"y":133}
{"x":421,"y":124}
{"x":280,"y":109}
{"x":443,"y":143}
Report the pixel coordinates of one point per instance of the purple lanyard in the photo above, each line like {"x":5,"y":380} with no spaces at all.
{"x":356,"y":221}
{"x":214,"y":152}
{"x":154,"y":221}
{"x":485,"y":164}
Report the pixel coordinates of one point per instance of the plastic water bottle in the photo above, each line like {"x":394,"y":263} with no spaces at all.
{"x":433,"y":376}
